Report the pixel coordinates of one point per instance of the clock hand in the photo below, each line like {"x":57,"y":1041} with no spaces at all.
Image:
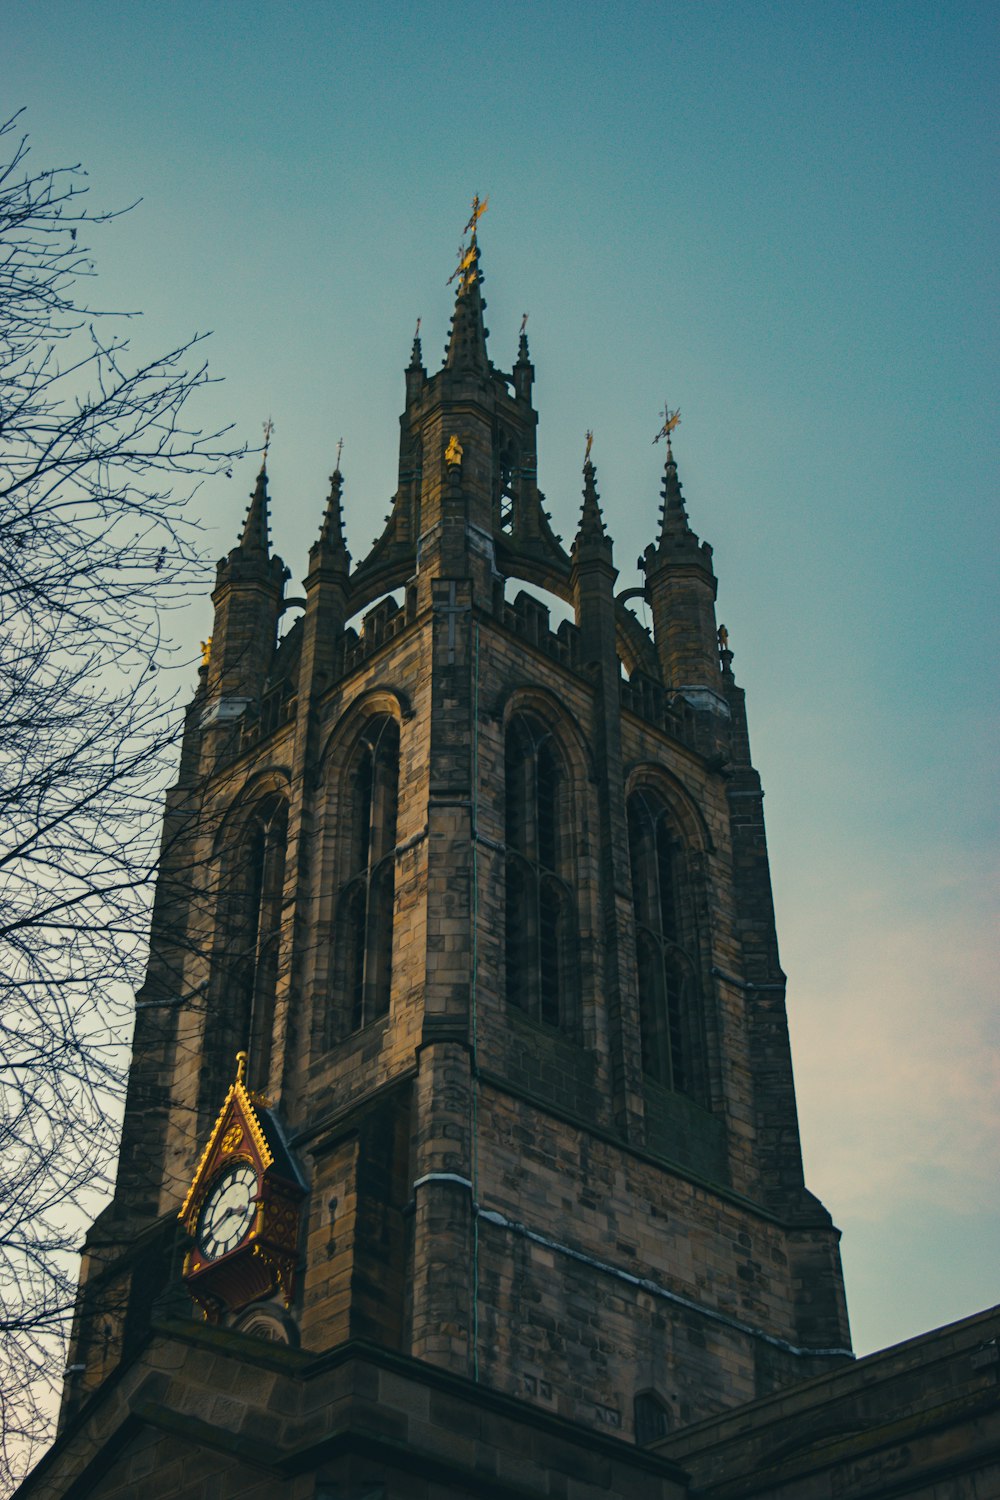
{"x":239,"y":1211}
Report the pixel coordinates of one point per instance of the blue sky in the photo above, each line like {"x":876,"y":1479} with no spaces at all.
{"x":781,"y":218}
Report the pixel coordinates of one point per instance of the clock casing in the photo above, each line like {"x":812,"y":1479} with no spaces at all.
{"x":242,"y":1210}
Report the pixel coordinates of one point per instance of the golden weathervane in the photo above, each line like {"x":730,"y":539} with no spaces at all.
{"x":478,"y":209}
{"x":671,"y":419}
{"x":468,"y":255}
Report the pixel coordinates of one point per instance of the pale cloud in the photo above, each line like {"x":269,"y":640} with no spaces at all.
{"x":895,"y":1042}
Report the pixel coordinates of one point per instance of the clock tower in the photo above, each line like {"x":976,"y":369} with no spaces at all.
{"x":508,"y":1174}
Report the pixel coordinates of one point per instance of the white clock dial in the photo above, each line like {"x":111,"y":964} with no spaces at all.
{"x":228,"y":1210}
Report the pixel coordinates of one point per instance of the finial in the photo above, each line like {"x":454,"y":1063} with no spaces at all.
{"x":468,"y":255}
{"x":453,"y":452}
{"x":241,"y":1067}
{"x":206,"y":652}
{"x":340,"y":441}
{"x":524,"y":324}
{"x":590,"y":444}
{"x":467,"y":340}
{"x":416,"y":354}
{"x":268,"y":430}
{"x":671,"y":419}
{"x":478,"y":209}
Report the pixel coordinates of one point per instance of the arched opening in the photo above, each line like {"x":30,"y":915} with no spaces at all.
{"x":254,"y":872}
{"x":665,"y":946}
{"x":364,"y":922}
{"x":540,"y":910}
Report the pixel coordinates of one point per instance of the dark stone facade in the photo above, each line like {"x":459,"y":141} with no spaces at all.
{"x":556,"y":1218}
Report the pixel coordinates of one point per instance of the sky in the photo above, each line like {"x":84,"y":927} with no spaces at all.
{"x":780,"y":218}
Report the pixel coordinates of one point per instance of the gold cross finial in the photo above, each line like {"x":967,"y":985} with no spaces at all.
{"x":590,"y":444}
{"x":268,"y":430}
{"x":340,"y":449}
{"x":671,"y":419}
{"x":478,"y":209}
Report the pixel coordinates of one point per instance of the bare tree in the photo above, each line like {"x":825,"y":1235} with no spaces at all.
{"x":97,"y":460}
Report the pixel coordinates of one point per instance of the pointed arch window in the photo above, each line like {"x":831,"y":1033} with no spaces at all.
{"x":665,"y":945}
{"x":365,"y":906}
{"x":540,"y":968}
{"x":257,"y":878}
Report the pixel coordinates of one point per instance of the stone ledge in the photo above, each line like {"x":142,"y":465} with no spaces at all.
{"x":317,"y":1414}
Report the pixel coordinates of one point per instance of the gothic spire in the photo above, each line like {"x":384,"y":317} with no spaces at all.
{"x":467,"y":340}
{"x":673,"y":516}
{"x":254,"y":539}
{"x":417,"y":353}
{"x":331,"y":535}
{"x":523,"y":357}
{"x":524,"y":370}
{"x":591,"y":532}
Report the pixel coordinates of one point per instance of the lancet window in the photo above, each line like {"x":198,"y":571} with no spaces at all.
{"x":365,"y":906}
{"x":256,"y":876}
{"x":539,"y":897}
{"x":662,"y":901}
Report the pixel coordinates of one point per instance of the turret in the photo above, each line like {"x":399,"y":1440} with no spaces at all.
{"x":450,"y":425}
{"x":416,"y":375}
{"x":327,"y":587}
{"x":681,"y":587}
{"x":524,"y":370}
{"x":248,"y":596}
{"x":593,"y":576}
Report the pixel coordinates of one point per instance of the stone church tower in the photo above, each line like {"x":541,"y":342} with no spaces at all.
{"x":486,"y":905}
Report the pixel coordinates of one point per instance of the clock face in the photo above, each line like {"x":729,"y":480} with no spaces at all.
{"x":228,"y":1210}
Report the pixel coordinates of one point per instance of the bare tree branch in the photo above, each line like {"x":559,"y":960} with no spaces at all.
{"x":98,"y":458}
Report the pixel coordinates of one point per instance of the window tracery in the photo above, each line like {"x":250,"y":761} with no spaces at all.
{"x":539,"y":900}
{"x":257,"y":865}
{"x":665,"y":944}
{"x":365,"y":904}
